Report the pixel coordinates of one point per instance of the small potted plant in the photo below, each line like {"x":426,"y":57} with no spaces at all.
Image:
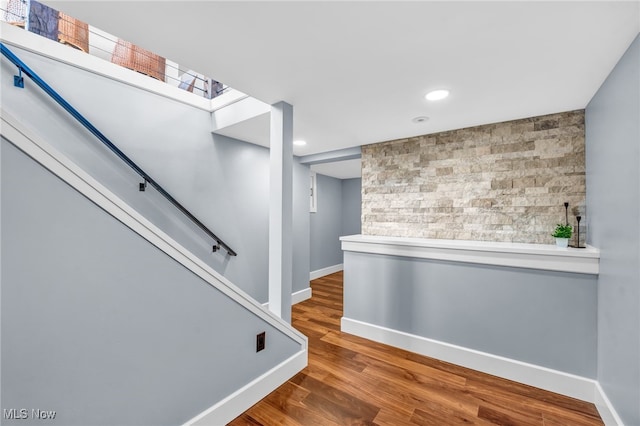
{"x":562,"y":235}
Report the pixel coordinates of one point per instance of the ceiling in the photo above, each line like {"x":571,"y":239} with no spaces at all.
{"x":356,"y":72}
{"x":346,"y":169}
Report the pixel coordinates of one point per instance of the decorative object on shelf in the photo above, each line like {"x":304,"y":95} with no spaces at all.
{"x":73,"y":32}
{"x":16,"y":13}
{"x":562,"y":234}
{"x":578,"y":219}
{"x":201,"y":85}
{"x":578,"y":212}
{"x":566,"y":213}
{"x":43,"y":20}
{"x":138,"y":59}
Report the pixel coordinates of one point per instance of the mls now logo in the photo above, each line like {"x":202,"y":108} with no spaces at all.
{"x":23,"y":413}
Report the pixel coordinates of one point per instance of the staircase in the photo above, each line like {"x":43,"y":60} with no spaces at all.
{"x":113,"y":311}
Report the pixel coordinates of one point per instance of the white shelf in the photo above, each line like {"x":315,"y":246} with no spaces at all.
{"x":518,"y":255}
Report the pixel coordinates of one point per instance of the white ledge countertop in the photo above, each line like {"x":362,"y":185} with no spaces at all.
{"x":519,"y":255}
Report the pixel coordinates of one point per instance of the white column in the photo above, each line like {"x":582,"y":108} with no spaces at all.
{"x":281,"y":210}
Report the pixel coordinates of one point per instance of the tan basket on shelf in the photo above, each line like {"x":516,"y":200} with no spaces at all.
{"x":73,"y":32}
{"x":138,"y":59}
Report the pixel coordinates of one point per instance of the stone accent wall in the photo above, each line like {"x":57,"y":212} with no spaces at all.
{"x":498,"y":182}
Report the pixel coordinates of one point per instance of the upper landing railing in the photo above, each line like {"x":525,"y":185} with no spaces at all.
{"x":19,"y":82}
{"x":50,"y":23}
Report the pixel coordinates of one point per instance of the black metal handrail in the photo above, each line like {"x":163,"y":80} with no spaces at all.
{"x":18,"y":81}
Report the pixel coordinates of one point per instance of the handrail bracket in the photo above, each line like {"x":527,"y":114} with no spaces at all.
{"x":18,"y":80}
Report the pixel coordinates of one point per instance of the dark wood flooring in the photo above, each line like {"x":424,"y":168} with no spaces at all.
{"x":354,"y":381}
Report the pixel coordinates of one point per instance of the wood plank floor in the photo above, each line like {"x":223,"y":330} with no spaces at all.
{"x":354,"y":381}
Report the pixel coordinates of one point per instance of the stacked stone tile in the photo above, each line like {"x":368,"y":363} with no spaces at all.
{"x":498,"y":182}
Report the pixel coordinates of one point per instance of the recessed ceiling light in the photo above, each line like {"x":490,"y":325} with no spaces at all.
{"x":299,"y":142}
{"x":436,"y":95}
{"x":420,"y":119}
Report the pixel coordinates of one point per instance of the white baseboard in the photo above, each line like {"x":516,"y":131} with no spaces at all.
{"x":238,"y":402}
{"x":301,"y":296}
{"x":541,"y":377}
{"x":608,"y":414}
{"x":296,"y":297}
{"x":313,"y":275}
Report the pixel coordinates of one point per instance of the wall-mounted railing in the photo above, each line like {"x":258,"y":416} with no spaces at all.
{"x":147,"y":180}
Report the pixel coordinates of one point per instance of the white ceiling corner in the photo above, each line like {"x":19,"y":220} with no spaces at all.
{"x":346,"y":169}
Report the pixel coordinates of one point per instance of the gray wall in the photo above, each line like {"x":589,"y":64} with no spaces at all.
{"x":339,"y":204}
{"x":242,"y":194}
{"x":351,"y":206}
{"x":103,"y":327}
{"x":539,"y":317}
{"x":326,"y":224}
{"x":222,"y":181}
{"x":613,"y":217}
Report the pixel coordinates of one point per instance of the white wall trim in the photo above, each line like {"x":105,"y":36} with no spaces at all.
{"x":518,"y":255}
{"x":59,"y":165}
{"x":608,"y":414}
{"x":541,"y":377}
{"x":301,"y":295}
{"x":319,"y":273}
{"x":229,"y":408}
{"x":296,"y":297}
